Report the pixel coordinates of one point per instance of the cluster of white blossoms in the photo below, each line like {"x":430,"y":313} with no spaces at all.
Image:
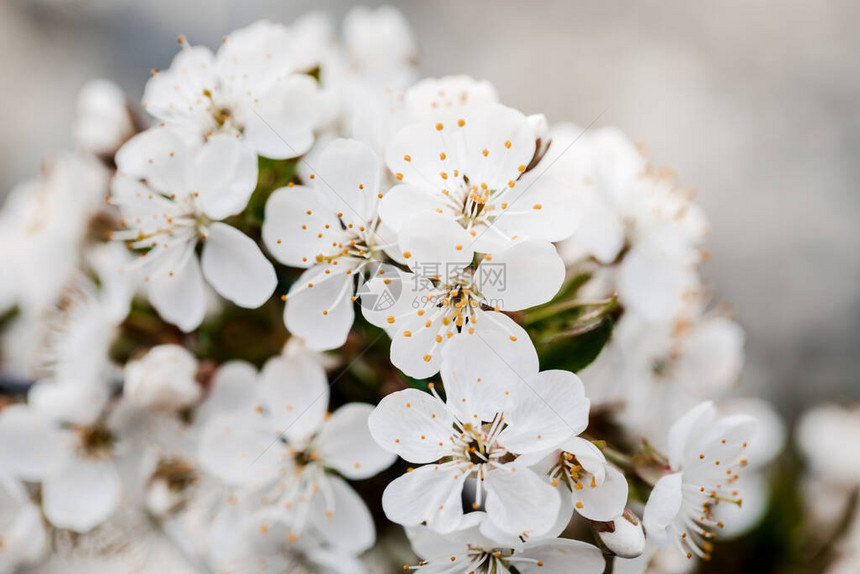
{"x":300,"y":294}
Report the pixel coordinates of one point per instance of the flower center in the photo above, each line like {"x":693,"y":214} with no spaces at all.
{"x":223,"y":115}
{"x":568,"y":471}
{"x":95,"y":441}
{"x":177,"y":473}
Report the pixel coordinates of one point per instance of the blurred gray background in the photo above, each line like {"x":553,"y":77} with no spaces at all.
{"x":754,"y":102}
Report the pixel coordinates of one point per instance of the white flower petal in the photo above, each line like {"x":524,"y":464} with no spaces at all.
{"x":603,"y":502}
{"x":160,"y":157}
{"x":346,"y":445}
{"x":544,"y":411}
{"x":341,"y":517}
{"x":395,"y":297}
{"x":539,"y":207}
{"x":435,"y":240}
{"x":240,"y":448}
{"x":413,"y":424}
{"x":181,"y":86}
{"x":254,"y":56}
{"x":180,"y":299}
{"x":712,"y":356}
{"x":236,"y":268}
{"x":31,"y":445}
{"x":429,"y":494}
{"x":507,"y":138}
{"x":232,"y":388}
{"x":300,"y":224}
{"x":82,"y":495}
{"x":350,"y":174}
{"x":521,"y":502}
{"x":224,"y":176}
{"x":416,"y":343}
{"x":556,"y":557}
{"x":532,"y":274}
{"x":402,"y":202}
{"x":319,"y":307}
{"x":420,"y":153}
{"x":693,"y":423}
{"x":448,"y":97}
{"x":280,"y":125}
{"x":69,"y":401}
{"x":653,"y":285}
{"x":663,"y":504}
{"x":478,"y":370}
{"x":294,"y":389}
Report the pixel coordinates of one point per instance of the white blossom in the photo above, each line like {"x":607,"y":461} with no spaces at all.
{"x":254,"y":88}
{"x":498,"y":408}
{"x":172,"y":197}
{"x":104,"y":118}
{"x":594,"y":488}
{"x":80,"y":481}
{"x":443,"y":295}
{"x":705,"y":455}
{"x":164,"y":378}
{"x":22,"y":532}
{"x":331,"y":228}
{"x":473,"y":170}
{"x":245,"y":448}
{"x":468,"y":551}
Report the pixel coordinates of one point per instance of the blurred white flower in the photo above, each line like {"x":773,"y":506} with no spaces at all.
{"x":331,"y":228}
{"x":254,"y":89}
{"x":630,"y":212}
{"x":665,"y":368}
{"x":500,"y":416}
{"x":822,"y":434}
{"x":379,"y":41}
{"x":171,"y":197}
{"x":43,"y":226}
{"x":80,"y":482}
{"x":368,"y":73}
{"x":104,"y":119}
{"x":164,"y":378}
{"x":22,"y":533}
{"x":446,"y":99}
{"x":286,"y":445}
{"x":248,"y":539}
{"x":705,"y":454}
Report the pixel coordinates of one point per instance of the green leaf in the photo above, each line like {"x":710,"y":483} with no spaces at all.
{"x":575,"y":349}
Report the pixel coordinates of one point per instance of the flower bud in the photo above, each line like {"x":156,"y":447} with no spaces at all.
{"x":623,"y":536}
{"x":163,"y":379}
{"x":104,"y":119}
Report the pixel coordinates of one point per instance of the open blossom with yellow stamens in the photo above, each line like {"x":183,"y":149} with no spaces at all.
{"x":705,"y":454}
{"x":497,"y":409}
{"x":254,"y":90}
{"x":596,"y":489}
{"x":475,"y":171}
{"x":331,"y":228}
{"x":444,"y":294}
{"x":171,"y":197}
{"x":290,"y":454}
{"x":468,"y":551}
